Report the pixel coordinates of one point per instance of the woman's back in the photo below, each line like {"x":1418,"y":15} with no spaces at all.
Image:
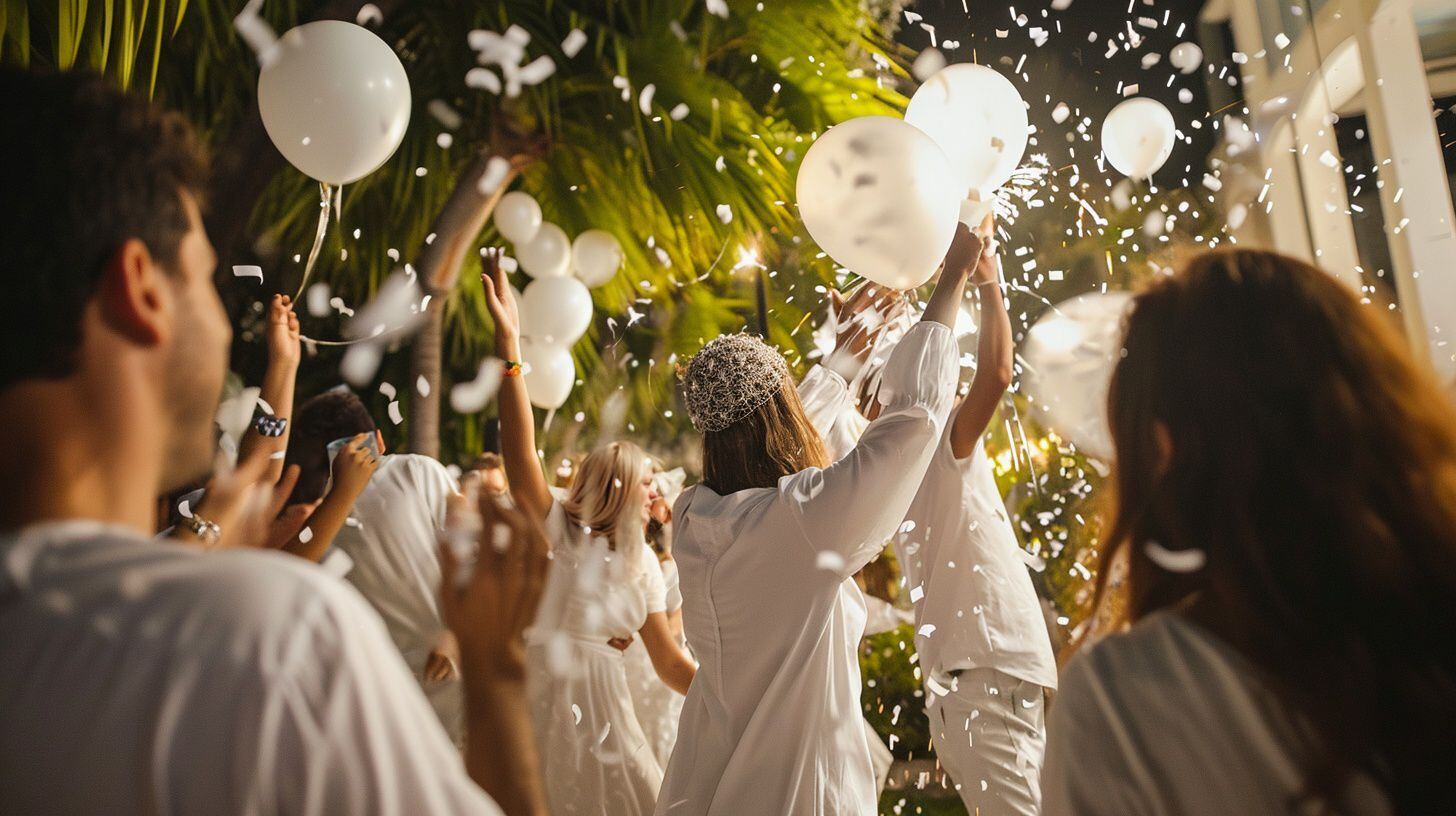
{"x":1168,"y":719}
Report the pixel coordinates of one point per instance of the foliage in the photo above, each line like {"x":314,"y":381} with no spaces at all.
{"x":892,"y":698}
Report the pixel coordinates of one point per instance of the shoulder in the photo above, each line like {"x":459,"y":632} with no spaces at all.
{"x":422,"y":467}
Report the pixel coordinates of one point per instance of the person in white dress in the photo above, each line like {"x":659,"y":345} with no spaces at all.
{"x":143,"y":677}
{"x":766,"y":546}
{"x":604,"y":588}
{"x":391,"y":543}
{"x":657,"y":706}
{"x":1286,"y":508}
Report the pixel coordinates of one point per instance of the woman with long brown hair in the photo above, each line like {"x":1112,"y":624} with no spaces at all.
{"x":1286,"y":505}
{"x":766,"y":545}
{"x":604,"y":585}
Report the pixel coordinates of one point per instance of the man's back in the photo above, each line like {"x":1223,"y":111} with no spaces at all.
{"x":139,"y":676}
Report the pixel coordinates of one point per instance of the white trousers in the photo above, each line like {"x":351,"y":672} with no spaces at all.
{"x":989,"y":734}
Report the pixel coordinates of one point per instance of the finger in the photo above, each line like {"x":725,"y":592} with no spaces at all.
{"x":283,"y":489}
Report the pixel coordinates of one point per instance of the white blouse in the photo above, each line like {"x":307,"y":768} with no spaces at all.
{"x":771,"y":723}
{"x":1168,"y":719}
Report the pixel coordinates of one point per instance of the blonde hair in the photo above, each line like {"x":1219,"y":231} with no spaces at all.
{"x":607,"y":495}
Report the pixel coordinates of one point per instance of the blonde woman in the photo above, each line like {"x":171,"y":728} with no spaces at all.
{"x":604,"y":585}
{"x":766,"y":547}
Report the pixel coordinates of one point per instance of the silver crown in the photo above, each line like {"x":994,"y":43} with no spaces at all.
{"x":729,"y":379}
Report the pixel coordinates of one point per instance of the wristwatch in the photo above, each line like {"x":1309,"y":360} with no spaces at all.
{"x":269,"y":425}
{"x":206,"y":531}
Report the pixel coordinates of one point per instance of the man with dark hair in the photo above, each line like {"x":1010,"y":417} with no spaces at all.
{"x":392,"y":556}
{"x":141,"y":676}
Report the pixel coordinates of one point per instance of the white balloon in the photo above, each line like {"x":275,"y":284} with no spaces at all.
{"x":1186,"y":57}
{"x":1070,"y":354}
{"x":547,"y":254}
{"x":517,"y":217}
{"x":879,"y":196}
{"x":1137,"y":136}
{"x":978,"y":118}
{"x":549,"y":373}
{"x":556,"y":310}
{"x":335,"y":100}
{"x":597,"y":256}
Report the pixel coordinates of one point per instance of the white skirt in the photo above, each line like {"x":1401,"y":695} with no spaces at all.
{"x":595,"y":760}
{"x":658,"y":707}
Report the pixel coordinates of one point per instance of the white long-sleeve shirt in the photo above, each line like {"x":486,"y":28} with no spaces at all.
{"x":143,"y":677}
{"x":771,"y":723}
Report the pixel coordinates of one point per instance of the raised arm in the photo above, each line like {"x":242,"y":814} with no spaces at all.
{"x":277,"y":390}
{"x":859,"y":320}
{"x":850,"y":508}
{"x":517,"y":422}
{"x":993,"y":355}
{"x":352,"y":468}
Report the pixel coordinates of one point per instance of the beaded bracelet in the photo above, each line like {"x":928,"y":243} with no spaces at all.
{"x":510,"y":368}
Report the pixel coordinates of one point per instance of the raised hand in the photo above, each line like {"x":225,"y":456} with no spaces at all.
{"x":489,"y":605}
{"x":502,"y":304}
{"x":862,"y":317}
{"x":282,"y":333}
{"x":988,"y":266}
{"x":354,"y":466}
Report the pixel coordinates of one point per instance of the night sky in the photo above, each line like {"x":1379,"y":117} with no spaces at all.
{"x":1069,"y":68}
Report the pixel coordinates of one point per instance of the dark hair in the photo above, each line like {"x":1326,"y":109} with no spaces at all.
{"x":90,"y":168}
{"x":1264,"y":417}
{"x":774,"y":441}
{"x":331,"y":415}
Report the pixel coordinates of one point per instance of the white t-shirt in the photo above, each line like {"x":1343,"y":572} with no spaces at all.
{"x":1166,"y":718}
{"x":975,"y":606}
{"x":393,"y":543}
{"x":771,"y":723}
{"x":146,"y":677}
{"x":593,"y":592}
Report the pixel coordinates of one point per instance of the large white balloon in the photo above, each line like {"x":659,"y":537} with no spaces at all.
{"x":978,"y":118}
{"x":1137,"y":136}
{"x":335,"y":100}
{"x":879,"y":196}
{"x":1070,"y":354}
{"x":547,"y":254}
{"x":549,"y":373}
{"x":597,"y":256}
{"x":556,"y":310}
{"x":517,"y":217}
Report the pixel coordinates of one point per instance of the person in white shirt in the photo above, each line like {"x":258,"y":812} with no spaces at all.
{"x":139,"y":676}
{"x":1286,"y":509}
{"x":390,"y":543}
{"x":766,"y":546}
{"x":604,"y":587}
{"x":981,"y":640}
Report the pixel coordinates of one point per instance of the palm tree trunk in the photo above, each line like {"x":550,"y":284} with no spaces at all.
{"x":438,"y":266}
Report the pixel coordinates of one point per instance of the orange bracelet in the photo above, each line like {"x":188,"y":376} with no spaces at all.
{"x":510,"y":368}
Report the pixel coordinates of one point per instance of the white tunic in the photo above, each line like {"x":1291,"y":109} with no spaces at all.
{"x":771,"y":724}
{"x":1168,"y":719}
{"x":595,"y":759}
{"x":146,"y":677}
{"x":396,"y":566}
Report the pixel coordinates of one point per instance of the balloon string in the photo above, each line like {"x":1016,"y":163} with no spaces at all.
{"x":326,"y":199}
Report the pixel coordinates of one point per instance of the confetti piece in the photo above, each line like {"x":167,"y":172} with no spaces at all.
{"x":444,"y":114}
{"x":572,"y":45}
{"x":679,"y":112}
{"x":718,"y":7}
{"x":725,"y":213}
{"x":495,"y":173}
{"x":927,"y":64}
{"x":1179,"y":561}
{"x":394,"y":414}
{"x":483,"y":78}
{"x":248,"y":272}
{"x":644,"y":99}
{"x":829,"y":560}
{"x":369,"y":14}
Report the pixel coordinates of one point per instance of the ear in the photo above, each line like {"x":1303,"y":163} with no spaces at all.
{"x":379,"y":439}
{"x":134,"y":296}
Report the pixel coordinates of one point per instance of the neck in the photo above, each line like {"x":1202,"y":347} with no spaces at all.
{"x":80,"y":453}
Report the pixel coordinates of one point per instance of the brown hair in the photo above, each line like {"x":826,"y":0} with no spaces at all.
{"x":774,"y":441}
{"x":94,"y":167}
{"x":1264,"y":417}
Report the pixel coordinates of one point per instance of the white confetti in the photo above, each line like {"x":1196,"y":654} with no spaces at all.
{"x":572,"y":45}
{"x":725,"y":213}
{"x":369,"y":14}
{"x":248,"y":272}
{"x":483,"y":78}
{"x":495,"y":172}
{"x":644,"y":99}
{"x":927,"y":64}
{"x":394,"y":414}
{"x":471,"y":397}
{"x":679,"y":112}
{"x":1179,"y":561}
{"x":829,"y":560}
{"x":305,"y":535}
{"x":718,"y":7}
{"x":422,"y":386}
